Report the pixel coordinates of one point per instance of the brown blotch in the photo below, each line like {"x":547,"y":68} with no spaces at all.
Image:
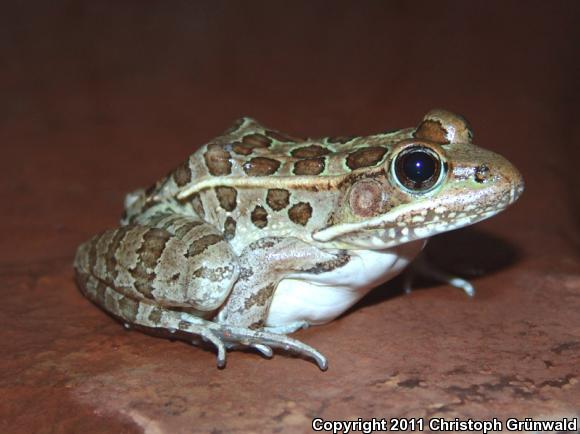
{"x":182,"y":175}
{"x":110,"y":259}
{"x":256,"y":140}
{"x":251,"y":142}
{"x":197,"y":205}
{"x":217,"y":160}
{"x":198,"y":246}
{"x":365,"y":157}
{"x":229,"y":228}
{"x":182,"y":231}
{"x":432,"y":130}
{"x":310,"y":151}
{"x":310,"y":166}
{"x":153,"y":245}
{"x":261,"y":297}
{"x":281,"y":137}
{"x":278,"y":198}
{"x":340,"y":139}
{"x":227,"y":197}
{"x":261,"y":166}
{"x":260,"y":217}
{"x":300,"y":213}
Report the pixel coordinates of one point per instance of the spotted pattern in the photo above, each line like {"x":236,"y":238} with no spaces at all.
{"x":260,"y":217}
{"x":310,"y":166}
{"x":154,"y":241}
{"x":251,"y":142}
{"x":365,"y":157}
{"x":217,"y":160}
{"x":310,"y":151}
{"x":278,"y":198}
{"x":261,"y":166}
{"x":227,"y":197}
{"x":182,"y":175}
{"x":300,"y":213}
{"x":202,"y":244}
{"x":229,"y":228}
{"x":432,"y":130}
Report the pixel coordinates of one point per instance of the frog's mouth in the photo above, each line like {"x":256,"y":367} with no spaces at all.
{"x":422,"y":219}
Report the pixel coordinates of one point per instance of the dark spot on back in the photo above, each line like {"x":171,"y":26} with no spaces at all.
{"x":217,"y":160}
{"x":310,"y":166}
{"x":278,"y":198}
{"x":300,"y":213}
{"x":365,"y":157}
{"x":227,"y":197}
{"x":261,"y":166}
{"x":310,"y":151}
{"x":251,"y":142}
{"x":229,"y":228}
{"x":182,"y":175}
{"x":260,"y":217}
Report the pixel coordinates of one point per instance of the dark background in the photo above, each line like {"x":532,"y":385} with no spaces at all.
{"x":99,"y":98}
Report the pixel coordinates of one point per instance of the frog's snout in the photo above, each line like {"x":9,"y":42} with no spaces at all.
{"x":501,"y":181}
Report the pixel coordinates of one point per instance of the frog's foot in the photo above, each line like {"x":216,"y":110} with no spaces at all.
{"x":225,"y":337}
{"x":422,"y":267}
{"x":264,"y":341}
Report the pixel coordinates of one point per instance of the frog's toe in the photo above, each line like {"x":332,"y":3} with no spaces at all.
{"x":265,"y":350}
{"x":208,"y":335}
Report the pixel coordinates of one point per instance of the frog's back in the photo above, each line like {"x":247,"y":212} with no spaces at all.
{"x":249,"y":150}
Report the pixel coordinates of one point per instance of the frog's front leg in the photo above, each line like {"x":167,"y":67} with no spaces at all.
{"x":262,"y":265}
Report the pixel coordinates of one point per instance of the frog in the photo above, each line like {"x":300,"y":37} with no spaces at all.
{"x":259,"y":233}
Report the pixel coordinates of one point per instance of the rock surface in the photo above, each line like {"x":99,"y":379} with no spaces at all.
{"x":103,"y":97}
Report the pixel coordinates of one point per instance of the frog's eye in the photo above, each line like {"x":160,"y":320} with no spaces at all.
{"x":417,"y":168}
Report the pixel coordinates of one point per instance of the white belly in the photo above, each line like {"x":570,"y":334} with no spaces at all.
{"x":321,"y":298}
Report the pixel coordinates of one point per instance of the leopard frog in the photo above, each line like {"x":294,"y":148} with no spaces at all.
{"x":258,"y":233}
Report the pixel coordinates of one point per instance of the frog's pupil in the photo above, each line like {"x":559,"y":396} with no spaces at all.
{"x":418,"y":166}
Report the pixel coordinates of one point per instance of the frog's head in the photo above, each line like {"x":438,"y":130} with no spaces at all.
{"x":434,"y":180}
